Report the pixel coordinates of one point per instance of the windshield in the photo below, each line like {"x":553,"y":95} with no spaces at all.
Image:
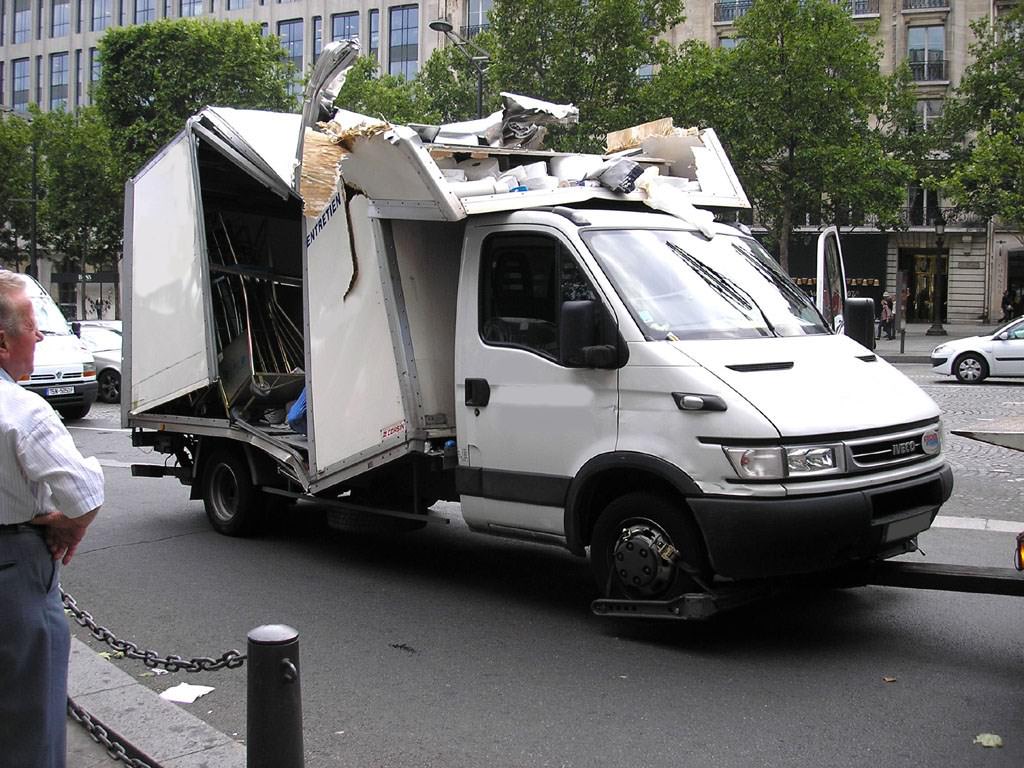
{"x":679,"y":285}
{"x":48,"y":317}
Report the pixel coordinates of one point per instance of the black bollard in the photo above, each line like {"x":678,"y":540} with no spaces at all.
{"x":274,"y":706}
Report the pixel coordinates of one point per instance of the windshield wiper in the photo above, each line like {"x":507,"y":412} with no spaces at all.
{"x":722,"y":285}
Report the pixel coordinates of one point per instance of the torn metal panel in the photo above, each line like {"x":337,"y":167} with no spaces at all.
{"x":396,"y":172}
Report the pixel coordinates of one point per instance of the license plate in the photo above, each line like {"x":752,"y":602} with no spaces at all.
{"x":904,"y":528}
{"x":51,"y":391}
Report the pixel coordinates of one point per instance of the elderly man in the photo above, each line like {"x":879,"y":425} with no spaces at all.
{"x":49,"y":494}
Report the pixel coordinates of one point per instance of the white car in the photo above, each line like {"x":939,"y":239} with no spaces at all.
{"x":974,"y":359}
{"x":103,"y":338}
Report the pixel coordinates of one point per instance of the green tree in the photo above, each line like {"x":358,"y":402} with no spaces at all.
{"x":390,"y":97}
{"x":589,"y":54}
{"x":81,"y":211}
{"x":812,"y":126}
{"x":984,"y":124}
{"x":155,"y":76}
{"x":16,"y":136}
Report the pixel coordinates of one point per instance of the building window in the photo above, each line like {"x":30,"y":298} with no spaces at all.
{"x":318,"y":37}
{"x":403,"y":41}
{"x":60,"y":18}
{"x":344,"y":26}
{"x":3,"y":31}
{"x":190,"y":8}
{"x":235,"y":5}
{"x":645,"y":71}
{"x":373,"y":38}
{"x":78,"y":77}
{"x":78,"y":16}
{"x":39,"y":21}
{"x":145,"y":10}
{"x":476,"y":17}
{"x":928,"y":111}
{"x":926,"y":52}
{"x":58,"y":81}
{"x":290,"y":33}
{"x":264,"y":27}
{"x":94,"y":69}
{"x":39,"y":80}
{"x":924,"y":206}
{"x":22,"y":21}
{"x":101,"y":14}
{"x":20,"y":80}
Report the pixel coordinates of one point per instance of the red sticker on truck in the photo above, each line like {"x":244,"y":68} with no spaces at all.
{"x":394,"y":429}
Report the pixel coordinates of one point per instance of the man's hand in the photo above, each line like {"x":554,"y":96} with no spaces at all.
{"x":63,"y":533}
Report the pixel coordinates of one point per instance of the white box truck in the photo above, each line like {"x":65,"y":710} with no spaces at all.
{"x":571,"y":365}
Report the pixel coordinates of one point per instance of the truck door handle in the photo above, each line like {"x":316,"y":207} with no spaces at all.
{"x":478,"y":392}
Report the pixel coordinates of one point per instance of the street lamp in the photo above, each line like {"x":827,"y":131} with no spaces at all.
{"x":937,"y":287}
{"x":478,"y":57}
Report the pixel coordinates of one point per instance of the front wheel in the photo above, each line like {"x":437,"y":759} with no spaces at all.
{"x":970,"y":369}
{"x":233,"y":504}
{"x":644,"y":547}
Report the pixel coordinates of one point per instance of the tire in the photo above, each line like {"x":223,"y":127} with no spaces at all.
{"x":632,"y":534}
{"x":234,"y":506}
{"x":75,"y":413}
{"x":970,"y":368}
{"x":109,"y":386}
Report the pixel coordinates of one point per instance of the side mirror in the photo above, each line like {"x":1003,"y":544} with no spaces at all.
{"x":1003,"y":336}
{"x":580,"y":337}
{"x":76,"y":328}
{"x":860,"y":321}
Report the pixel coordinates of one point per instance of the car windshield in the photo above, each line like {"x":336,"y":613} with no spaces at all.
{"x":680,"y":285}
{"x":48,"y":318}
{"x":100,"y":339}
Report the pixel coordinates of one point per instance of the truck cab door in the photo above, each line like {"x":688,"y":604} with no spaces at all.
{"x":527,"y":420}
{"x":830,"y":291}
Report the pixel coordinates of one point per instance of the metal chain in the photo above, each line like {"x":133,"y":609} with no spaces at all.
{"x":228,"y":660}
{"x":99,"y":734}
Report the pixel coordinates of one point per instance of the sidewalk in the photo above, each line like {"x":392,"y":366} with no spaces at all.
{"x":160,"y":733}
{"x":916,"y":345}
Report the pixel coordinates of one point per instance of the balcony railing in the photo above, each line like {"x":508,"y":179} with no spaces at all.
{"x":918,"y":216}
{"x":730,"y":10}
{"x":925,"y":5}
{"x":473,"y":30}
{"x":859,"y":7}
{"x":925,"y":71}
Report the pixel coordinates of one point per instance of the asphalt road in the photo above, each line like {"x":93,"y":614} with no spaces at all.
{"x":446,"y":648}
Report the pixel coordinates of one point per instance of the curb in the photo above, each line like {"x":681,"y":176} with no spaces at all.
{"x":897,"y":358}
{"x":157,"y":731}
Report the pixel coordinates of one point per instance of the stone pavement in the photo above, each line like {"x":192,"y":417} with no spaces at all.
{"x":166,"y":736}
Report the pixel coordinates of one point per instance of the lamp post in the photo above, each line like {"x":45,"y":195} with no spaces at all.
{"x":940,"y":240}
{"x":479,"y":58}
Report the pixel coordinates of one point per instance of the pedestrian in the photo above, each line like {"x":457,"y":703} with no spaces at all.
{"x":886,"y":319}
{"x":1007,"y":306}
{"x":49,"y":494}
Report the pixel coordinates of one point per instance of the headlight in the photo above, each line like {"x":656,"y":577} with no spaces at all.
{"x":88,"y":369}
{"x":939,"y":349}
{"x":778,"y":462}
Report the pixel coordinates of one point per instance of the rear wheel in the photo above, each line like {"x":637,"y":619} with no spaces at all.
{"x":233,"y":504}
{"x":644,"y":547}
{"x":109,"y":386}
{"x":970,"y":368}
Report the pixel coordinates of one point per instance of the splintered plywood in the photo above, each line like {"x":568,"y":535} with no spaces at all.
{"x":627,"y":138}
{"x":320,"y":157}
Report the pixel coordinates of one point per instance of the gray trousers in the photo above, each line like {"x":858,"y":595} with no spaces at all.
{"x":34,"y":646}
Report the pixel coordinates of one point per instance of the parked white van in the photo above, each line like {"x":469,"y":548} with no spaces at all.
{"x":65,"y":372}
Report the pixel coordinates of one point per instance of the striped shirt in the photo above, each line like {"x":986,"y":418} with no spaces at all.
{"x":41,"y":469}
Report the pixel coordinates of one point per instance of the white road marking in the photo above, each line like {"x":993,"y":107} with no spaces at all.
{"x":977,"y":524}
{"x":117,"y":464}
{"x":98,"y":429}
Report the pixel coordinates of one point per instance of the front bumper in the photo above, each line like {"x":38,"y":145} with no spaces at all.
{"x":82,"y":393}
{"x":937,"y":362}
{"x":750,"y":538}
